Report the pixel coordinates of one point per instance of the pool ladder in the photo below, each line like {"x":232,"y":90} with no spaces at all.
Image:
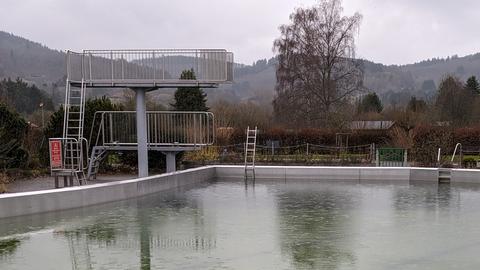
{"x":444,"y":175}
{"x":250,"y":147}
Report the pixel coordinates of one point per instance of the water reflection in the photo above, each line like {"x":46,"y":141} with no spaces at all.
{"x":273,"y":225}
{"x":163,"y":223}
{"x":314,"y":228}
{"x":429,"y":197}
{"x":8,"y":246}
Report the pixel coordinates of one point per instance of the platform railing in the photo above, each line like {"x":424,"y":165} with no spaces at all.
{"x":164,"y":129}
{"x":149,"y":66}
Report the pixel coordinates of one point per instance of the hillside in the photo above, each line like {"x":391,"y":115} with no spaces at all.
{"x":29,"y":60}
{"x":37,"y":64}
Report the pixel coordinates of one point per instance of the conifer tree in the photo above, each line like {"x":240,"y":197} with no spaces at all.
{"x":189,"y":98}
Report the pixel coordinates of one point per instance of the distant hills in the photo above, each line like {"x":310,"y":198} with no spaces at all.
{"x":44,"y":67}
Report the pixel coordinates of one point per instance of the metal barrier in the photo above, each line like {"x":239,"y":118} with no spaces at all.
{"x":158,"y":68}
{"x":164,"y":129}
{"x":67,"y":159}
{"x":391,"y":157}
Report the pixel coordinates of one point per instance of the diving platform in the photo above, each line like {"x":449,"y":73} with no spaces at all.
{"x":141,"y":70}
{"x":151,"y":69}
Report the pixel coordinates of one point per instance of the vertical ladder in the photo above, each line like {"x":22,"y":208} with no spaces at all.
{"x":250,"y":146}
{"x":73,"y":122}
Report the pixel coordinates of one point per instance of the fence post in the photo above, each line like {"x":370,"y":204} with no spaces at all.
{"x":377,"y":158}
{"x":273,"y":149}
{"x":372,"y":152}
{"x":405,"y":158}
{"x":307,"y":149}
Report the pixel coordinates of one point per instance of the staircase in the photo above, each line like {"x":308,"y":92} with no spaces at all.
{"x":250,"y":146}
{"x":73,"y":131}
{"x":444,"y":175}
{"x":98,"y":155}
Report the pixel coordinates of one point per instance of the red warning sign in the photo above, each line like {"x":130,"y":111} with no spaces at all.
{"x":55,"y":154}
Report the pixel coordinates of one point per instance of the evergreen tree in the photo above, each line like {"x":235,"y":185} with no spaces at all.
{"x":13,"y":130}
{"x":473,"y":85}
{"x":370,"y":103}
{"x":416,"y":105}
{"x":189,"y":98}
{"x":454,"y":101}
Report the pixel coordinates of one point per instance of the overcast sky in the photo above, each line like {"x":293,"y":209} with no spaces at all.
{"x":392,"y":31}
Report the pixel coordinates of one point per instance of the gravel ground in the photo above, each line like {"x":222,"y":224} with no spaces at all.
{"x":47,"y":182}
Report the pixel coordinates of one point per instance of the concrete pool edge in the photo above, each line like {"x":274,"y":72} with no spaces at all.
{"x":33,"y":202}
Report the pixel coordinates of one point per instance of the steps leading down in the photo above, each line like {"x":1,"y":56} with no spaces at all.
{"x":444,"y":175}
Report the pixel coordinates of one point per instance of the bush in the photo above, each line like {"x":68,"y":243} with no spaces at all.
{"x":427,"y":140}
{"x":13,"y":130}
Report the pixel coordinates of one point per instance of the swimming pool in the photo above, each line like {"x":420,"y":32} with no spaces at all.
{"x":226,"y":224}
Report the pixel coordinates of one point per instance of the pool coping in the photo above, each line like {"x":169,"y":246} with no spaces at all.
{"x":33,"y":202}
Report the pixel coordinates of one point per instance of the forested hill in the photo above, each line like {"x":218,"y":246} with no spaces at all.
{"x":45,"y":67}
{"x":395,"y":84}
{"x":29,"y":60}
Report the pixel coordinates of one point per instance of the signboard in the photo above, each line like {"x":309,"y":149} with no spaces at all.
{"x":55,"y":154}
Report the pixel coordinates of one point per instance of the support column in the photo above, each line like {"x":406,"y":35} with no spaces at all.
{"x":141,"y":132}
{"x":171,"y":162}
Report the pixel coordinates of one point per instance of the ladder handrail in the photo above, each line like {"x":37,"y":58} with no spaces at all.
{"x":455,"y":151}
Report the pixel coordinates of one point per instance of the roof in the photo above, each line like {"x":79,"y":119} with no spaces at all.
{"x":371,"y":125}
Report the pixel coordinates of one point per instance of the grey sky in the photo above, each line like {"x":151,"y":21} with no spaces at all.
{"x":392,"y":31}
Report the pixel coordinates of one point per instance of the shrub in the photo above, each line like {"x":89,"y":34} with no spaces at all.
{"x":427,"y":140}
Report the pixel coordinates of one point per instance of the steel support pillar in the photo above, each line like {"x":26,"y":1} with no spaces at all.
{"x":171,"y":161}
{"x":141,"y":115}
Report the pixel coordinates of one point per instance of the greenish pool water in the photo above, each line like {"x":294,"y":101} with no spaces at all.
{"x":269,"y":225}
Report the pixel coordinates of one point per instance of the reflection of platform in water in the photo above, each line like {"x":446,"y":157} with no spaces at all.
{"x":159,"y":242}
{"x":159,"y":68}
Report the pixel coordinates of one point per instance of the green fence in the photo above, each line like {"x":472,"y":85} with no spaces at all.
{"x":391,"y":157}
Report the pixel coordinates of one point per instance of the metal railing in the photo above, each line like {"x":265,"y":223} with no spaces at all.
{"x":149,"y":66}
{"x":70,"y":154}
{"x":457,"y":146}
{"x":164,"y":129}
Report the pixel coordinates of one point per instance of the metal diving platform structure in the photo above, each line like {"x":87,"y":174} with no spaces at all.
{"x":141,"y":70}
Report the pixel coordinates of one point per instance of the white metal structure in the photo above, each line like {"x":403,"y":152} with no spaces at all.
{"x":457,"y":147}
{"x":73,"y":140}
{"x":167,"y":131}
{"x":157,"y":68}
{"x":250,"y":148}
{"x":140,"y":70}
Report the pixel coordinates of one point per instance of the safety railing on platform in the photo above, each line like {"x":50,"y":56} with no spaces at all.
{"x":164,"y":129}
{"x":149,"y":66}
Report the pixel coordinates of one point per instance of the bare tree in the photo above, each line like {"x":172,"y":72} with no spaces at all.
{"x":317,"y":69}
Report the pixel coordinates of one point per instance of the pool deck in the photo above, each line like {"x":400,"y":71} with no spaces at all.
{"x":48,"y":182}
{"x":39,"y":201}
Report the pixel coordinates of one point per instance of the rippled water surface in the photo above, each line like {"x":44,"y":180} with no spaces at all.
{"x":269,"y":225}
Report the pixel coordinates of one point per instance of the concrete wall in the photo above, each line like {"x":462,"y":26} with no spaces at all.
{"x":424,"y":174}
{"x":17,"y":204}
{"x":319,"y":173}
{"x":384,"y":174}
{"x":465,"y":176}
{"x":25,"y":203}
